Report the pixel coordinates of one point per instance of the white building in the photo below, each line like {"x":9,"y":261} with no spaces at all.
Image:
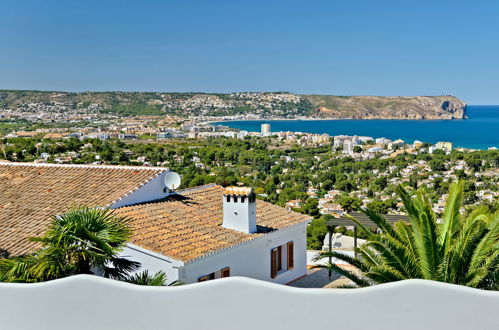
{"x":220,"y":232}
{"x":382,"y":140}
{"x":192,"y":235}
{"x":339,"y":140}
{"x":445,"y":146}
{"x":265,"y":129}
{"x":348,"y":146}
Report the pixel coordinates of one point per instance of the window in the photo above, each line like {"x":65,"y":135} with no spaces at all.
{"x":225,"y":272}
{"x":206,"y":277}
{"x":276,"y":261}
{"x":291,"y":261}
{"x":278,"y":258}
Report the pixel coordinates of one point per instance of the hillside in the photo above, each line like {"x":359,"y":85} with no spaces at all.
{"x":370,"y":107}
{"x":265,"y":105}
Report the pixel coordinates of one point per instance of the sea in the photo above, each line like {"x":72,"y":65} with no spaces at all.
{"x":479,"y":131}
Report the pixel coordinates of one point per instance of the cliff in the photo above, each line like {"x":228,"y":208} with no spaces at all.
{"x":381,"y":107}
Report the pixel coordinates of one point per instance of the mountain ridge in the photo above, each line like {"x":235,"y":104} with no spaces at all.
{"x":260,"y":104}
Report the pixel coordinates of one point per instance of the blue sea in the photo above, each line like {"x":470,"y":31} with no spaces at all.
{"x":479,"y":131}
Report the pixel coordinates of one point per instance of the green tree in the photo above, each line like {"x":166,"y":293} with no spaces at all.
{"x":310,"y":207}
{"x":144,"y":278}
{"x":459,"y":250}
{"x":82,"y":241}
{"x":349,"y":203}
{"x":316,"y":231}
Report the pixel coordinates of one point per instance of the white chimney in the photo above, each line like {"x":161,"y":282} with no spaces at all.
{"x":239,"y":204}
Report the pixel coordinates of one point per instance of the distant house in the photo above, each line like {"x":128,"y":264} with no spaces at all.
{"x":293,"y":204}
{"x":26,"y":134}
{"x":54,"y":136}
{"x":193,"y":235}
{"x":127,"y":136}
{"x":445,"y":146}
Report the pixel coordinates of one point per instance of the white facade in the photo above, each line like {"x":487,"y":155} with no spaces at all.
{"x":348,"y":146}
{"x":153,"y":262}
{"x":250,"y":259}
{"x":265,"y":129}
{"x":152,"y":190}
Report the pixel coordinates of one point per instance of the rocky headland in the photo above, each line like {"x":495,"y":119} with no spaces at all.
{"x":382,"y":107}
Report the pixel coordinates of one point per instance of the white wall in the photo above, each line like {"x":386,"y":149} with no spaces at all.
{"x":90,"y":302}
{"x":252,"y":259}
{"x":153,"y":262}
{"x":152,"y":190}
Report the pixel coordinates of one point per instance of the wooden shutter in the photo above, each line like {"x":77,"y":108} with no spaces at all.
{"x":225,"y":272}
{"x":273,"y":263}
{"x":291,"y":257}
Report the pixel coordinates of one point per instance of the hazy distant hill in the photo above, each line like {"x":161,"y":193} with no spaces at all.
{"x":278,"y":104}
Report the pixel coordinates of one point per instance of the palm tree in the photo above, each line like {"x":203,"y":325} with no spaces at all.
{"x":457,"y":249}
{"x":144,"y":278}
{"x":82,"y":241}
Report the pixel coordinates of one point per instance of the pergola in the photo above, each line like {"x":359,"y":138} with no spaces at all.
{"x":362,"y":219}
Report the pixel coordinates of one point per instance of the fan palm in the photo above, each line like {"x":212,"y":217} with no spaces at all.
{"x":82,"y":241}
{"x":456,"y":249}
{"x":144,"y":278}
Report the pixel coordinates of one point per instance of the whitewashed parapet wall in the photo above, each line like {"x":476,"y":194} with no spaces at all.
{"x":87,"y":302}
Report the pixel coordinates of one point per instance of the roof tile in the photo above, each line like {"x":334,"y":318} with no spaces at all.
{"x":188,"y":225}
{"x":30,"y":194}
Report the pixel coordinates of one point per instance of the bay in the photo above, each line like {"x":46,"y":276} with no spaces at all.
{"x":479,"y":131}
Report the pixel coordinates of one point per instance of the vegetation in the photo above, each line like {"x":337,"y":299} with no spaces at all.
{"x":144,"y":278}
{"x":279,"y":172}
{"x":126,"y":104}
{"x":81,"y":241}
{"x":460,"y":249}
{"x":264,"y":104}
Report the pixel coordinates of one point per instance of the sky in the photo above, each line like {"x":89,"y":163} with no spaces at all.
{"x":396,"y":48}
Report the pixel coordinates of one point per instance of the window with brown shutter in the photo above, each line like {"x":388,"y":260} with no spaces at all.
{"x":275,"y":261}
{"x":279,"y":258}
{"x":291,"y":257}
{"x":225,"y":272}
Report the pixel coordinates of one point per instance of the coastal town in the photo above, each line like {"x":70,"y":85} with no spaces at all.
{"x":90,"y":125}
{"x":234,"y":165}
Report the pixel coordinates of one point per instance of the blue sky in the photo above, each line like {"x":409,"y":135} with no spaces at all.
{"x":312,"y":47}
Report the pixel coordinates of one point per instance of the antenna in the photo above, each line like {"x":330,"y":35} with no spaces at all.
{"x":172,"y":180}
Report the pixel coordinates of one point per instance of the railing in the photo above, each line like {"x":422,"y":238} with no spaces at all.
{"x":237,"y":303}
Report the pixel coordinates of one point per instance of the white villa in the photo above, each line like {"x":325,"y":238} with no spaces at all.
{"x":193,"y":235}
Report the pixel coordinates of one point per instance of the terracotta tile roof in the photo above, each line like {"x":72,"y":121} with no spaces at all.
{"x":187,"y":225}
{"x":30,"y":194}
{"x":238,"y":191}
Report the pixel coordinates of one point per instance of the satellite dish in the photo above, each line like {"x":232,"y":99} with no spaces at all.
{"x":172,"y":180}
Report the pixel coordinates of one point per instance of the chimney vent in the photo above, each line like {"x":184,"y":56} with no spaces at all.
{"x":239,"y":206}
